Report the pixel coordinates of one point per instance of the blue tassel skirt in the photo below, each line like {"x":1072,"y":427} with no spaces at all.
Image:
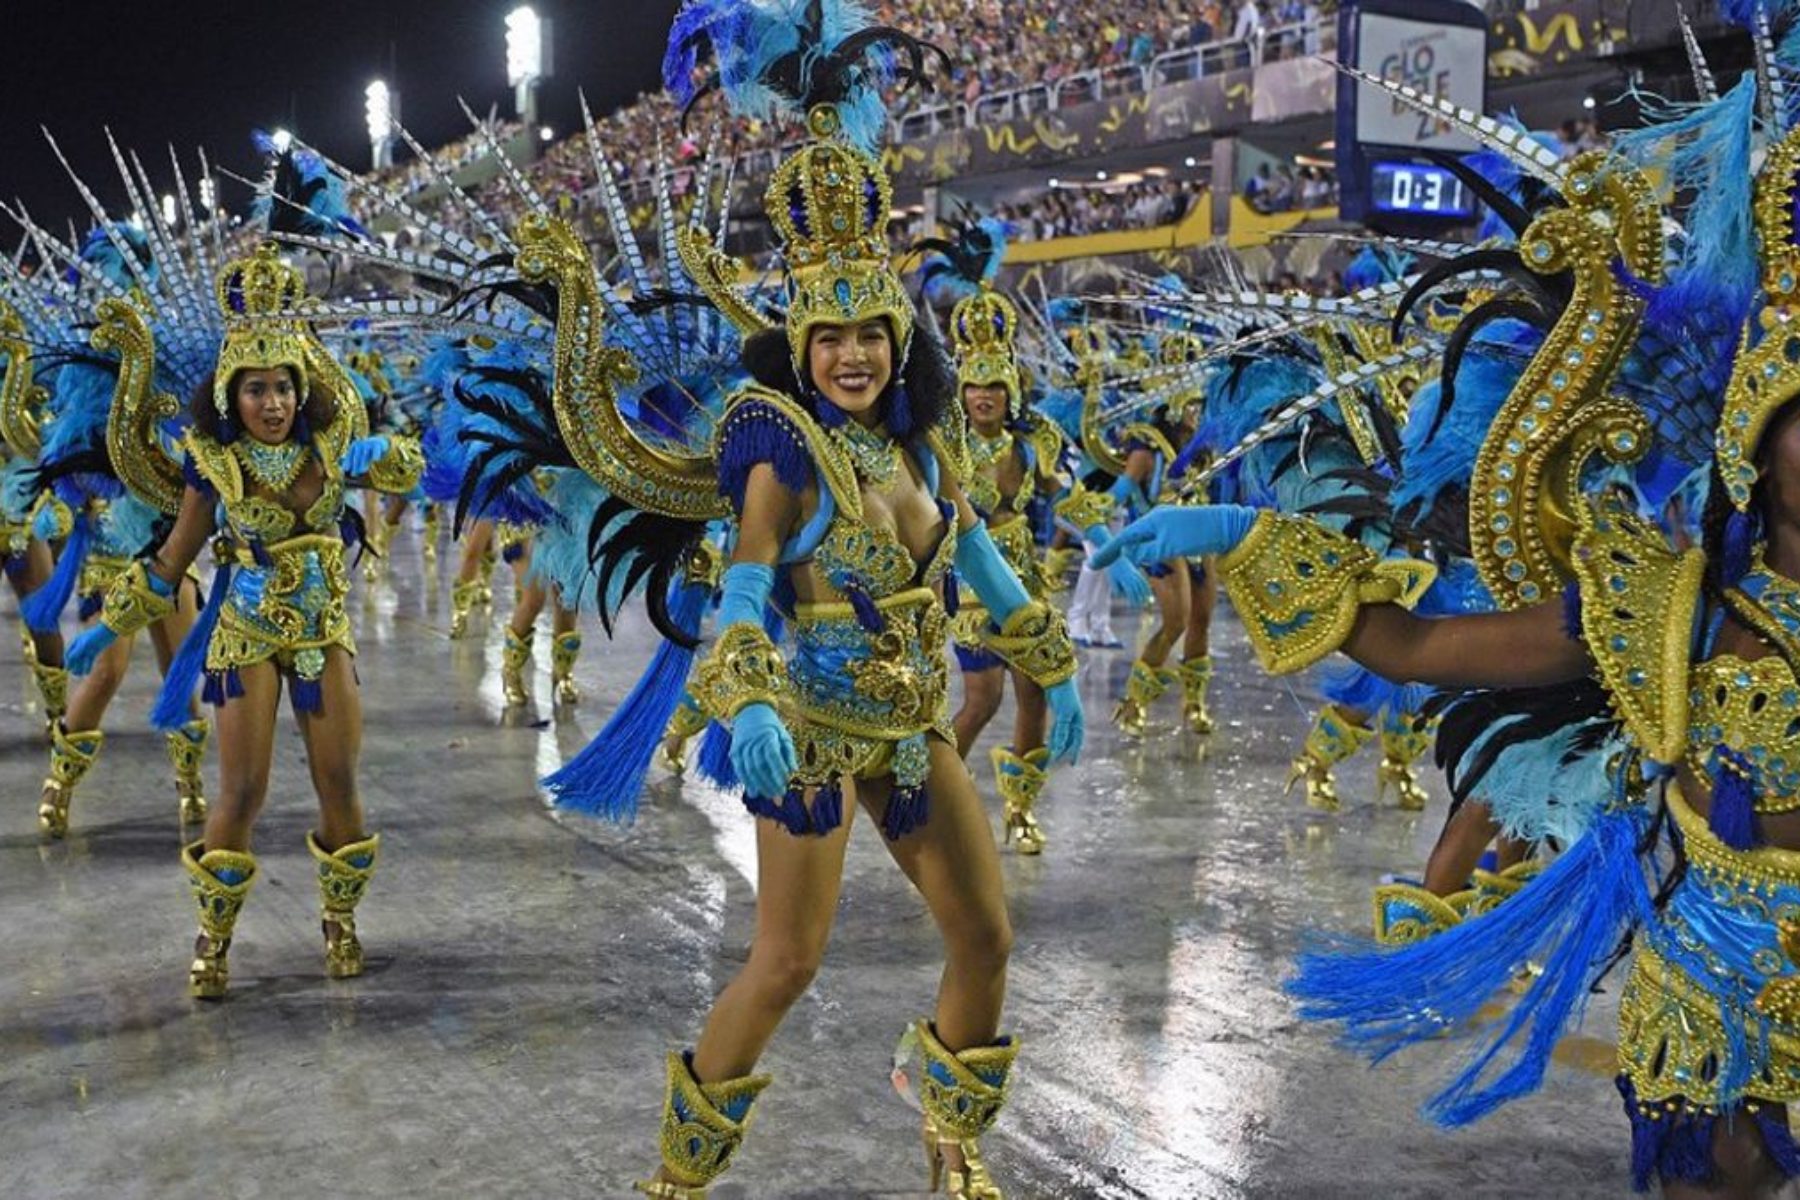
{"x":1699,"y":1041}
{"x":866,"y":703}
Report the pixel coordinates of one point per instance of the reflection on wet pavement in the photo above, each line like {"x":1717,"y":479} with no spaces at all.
{"x":527,"y":971}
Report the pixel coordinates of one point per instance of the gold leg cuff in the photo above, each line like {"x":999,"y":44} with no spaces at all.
{"x":344,"y":876}
{"x":703,"y":1124}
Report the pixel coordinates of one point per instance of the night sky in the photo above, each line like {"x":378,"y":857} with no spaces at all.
{"x":196,"y":73}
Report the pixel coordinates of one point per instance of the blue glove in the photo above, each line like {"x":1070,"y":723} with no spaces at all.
{"x":362,"y":454}
{"x":1068,"y":726}
{"x":1170,"y":533}
{"x":993,"y":582}
{"x":762,"y":752}
{"x":744,"y":591}
{"x":1129,"y":584}
{"x":86,"y":649}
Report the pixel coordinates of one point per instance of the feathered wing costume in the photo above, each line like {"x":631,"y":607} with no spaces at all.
{"x":1617,"y":405}
{"x":866,"y":684}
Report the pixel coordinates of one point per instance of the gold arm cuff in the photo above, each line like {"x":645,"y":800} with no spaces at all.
{"x":744,"y":668}
{"x":1035,"y":642}
{"x":131,"y":604}
{"x":400,"y":468}
{"x":1298,"y":587}
{"x":1084,"y":509}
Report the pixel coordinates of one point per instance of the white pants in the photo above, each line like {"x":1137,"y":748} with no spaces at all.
{"x":1090,"y":612}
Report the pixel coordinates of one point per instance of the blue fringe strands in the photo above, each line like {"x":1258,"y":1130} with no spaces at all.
{"x":1570,"y":918}
{"x":172,"y":708}
{"x":793,"y":815}
{"x":1675,"y":1145}
{"x":606,"y":778}
{"x":42,"y":610}
{"x":908,"y":808}
{"x":714,"y":760}
{"x":305,"y":695}
{"x":222,"y":686}
{"x":752,"y":434}
{"x":1733,"y":815}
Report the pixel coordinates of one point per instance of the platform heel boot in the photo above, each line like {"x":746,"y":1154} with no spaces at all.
{"x":71,"y":757}
{"x":53,"y":689}
{"x":186,"y":748}
{"x":1404,"y":740}
{"x":703,"y":1126}
{"x":565,"y":651}
{"x":962,"y":1093}
{"x":221,"y":880}
{"x":462,"y":602}
{"x":1020,"y":779}
{"x":515,"y":656}
{"x":1143,"y":687}
{"x":688,"y":721}
{"x":1335,"y":736}
{"x":344,"y":875}
{"x":1196,"y":678}
{"x":428,"y":535}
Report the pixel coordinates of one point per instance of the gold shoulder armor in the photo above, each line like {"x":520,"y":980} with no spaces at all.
{"x":1046,"y":442}
{"x":216,"y":464}
{"x":398,"y":471}
{"x":1638,"y":602}
{"x":1298,"y":587}
{"x":833,"y":464}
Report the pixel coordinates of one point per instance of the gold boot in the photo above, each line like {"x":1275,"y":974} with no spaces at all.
{"x":484,"y":581}
{"x":565,"y":649}
{"x":1020,"y":780}
{"x":1196,"y":677}
{"x":688,"y":720}
{"x":962,"y":1094}
{"x":1335,"y":736}
{"x":344,"y":875}
{"x":462,"y":600}
{"x":1142,"y":688}
{"x":71,"y":755}
{"x":221,"y":880}
{"x":187,"y":749}
{"x":428,"y":533}
{"x":1404,"y":740}
{"x":703,"y":1126}
{"x":1406,"y":913}
{"x":53,"y":687}
{"x":515,"y":656}
{"x":1493,"y":888}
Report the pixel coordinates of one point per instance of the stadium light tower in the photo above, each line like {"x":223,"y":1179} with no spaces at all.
{"x":382,"y":107}
{"x":527,"y":58}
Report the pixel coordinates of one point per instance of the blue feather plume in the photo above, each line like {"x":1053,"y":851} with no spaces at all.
{"x":174,"y":701}
{"x":42,"y":609}
{"x":606,"y":777}
{"x":1570,"y":919}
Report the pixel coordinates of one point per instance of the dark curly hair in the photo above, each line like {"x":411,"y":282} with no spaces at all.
{"x":927,"y":376}
{"x":316,"y":412}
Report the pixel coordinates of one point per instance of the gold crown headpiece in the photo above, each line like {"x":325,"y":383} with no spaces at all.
{"x":829,"y":203}
{"x":262,"y":300}
{"x":1767,"y":375}
{"x":1179,"y":351}
{"x":982,"y":326}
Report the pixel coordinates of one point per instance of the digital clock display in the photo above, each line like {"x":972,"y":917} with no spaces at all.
{"x":1419,"y":188}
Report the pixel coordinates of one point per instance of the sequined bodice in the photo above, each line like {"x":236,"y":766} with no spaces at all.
{"x":258,"y":518}
{"x":1744,"y":716}
{"x":985,"y":493}
{"x":856,"y":554}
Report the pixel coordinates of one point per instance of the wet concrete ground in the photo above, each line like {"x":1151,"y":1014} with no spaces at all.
{"x":527,"y":971}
